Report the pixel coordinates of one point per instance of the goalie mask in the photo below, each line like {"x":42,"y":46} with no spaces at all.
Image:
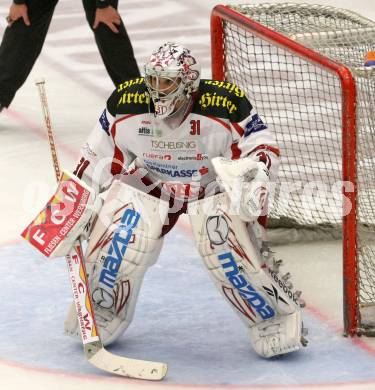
{"x":172,"y":75}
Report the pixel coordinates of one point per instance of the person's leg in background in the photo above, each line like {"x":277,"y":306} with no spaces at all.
{"x":115,"y":48}
{"x":21,"y":46}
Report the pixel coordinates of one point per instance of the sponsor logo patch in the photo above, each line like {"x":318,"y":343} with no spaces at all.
{"x":244,"y":288}
{"x":134,"y":98}
{"x":217,"y":229}
{"x":197,"y":157}
{"x":228,"y":86}
{"x":172,"y":172}
{"x":129,"y":83}
{"x":146,"y":131}
{"x":254,"y":125}
{"x":214,"y":100}
{"x":86,"y":147}
{"x":157,"y":156}
{"x":104,"y":121}
{"x":282,"y":285}
{"x":203,"y":171}
{"x":104,"y":294}
{"x":173,"y":145}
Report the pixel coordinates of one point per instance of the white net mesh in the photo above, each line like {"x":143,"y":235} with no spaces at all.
{"x":302,"y":103}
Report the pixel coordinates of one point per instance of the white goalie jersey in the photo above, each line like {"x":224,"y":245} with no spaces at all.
{"x":219,"y":122}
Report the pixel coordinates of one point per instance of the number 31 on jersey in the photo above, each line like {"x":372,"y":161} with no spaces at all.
{"x":195,"y":126}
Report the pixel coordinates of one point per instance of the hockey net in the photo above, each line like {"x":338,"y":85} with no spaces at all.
{"x":303,"y":68}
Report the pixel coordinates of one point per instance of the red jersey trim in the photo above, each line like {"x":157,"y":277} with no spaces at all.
{"x":239,"y":129}
{"x":266,"y":147}
{"x":113,"y":128}
{"x":226,"y":125}
{"x":236,"y":152}
{"x":118,"y":159}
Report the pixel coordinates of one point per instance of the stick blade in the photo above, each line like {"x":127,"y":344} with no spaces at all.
{"x":119,"y":365}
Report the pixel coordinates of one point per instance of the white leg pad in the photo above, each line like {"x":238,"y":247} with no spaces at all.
{"x":125,"y":241}
{"x":258,"y":294}
{"x":277,"y":336}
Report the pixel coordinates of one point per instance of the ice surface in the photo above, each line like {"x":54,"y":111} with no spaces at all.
{"x":180,"y":319}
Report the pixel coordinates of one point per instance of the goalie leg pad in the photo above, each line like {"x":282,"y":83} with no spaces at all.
{"x":277,"y":336}
{"x":235,"y":263}
{"x":125,"y":241}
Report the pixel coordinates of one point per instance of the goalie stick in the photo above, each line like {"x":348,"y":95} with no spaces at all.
{"x":94,"y":351}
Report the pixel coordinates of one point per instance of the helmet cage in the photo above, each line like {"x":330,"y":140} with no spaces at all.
{"x":164,"y":85}
{"x":171,"y":75}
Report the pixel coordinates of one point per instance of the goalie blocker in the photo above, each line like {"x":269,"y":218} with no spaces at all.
{"x":63,"y":219}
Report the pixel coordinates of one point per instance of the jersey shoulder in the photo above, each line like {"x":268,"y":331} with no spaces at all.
{"x":130,"y":97}
{"x":221,"y":99}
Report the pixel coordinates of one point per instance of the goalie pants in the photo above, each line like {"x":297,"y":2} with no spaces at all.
{"x":21,"y":46}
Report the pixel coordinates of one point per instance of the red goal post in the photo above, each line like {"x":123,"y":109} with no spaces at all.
{"x":259,"y":47}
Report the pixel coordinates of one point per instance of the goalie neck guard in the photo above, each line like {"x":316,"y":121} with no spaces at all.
{"x":172,"y":74}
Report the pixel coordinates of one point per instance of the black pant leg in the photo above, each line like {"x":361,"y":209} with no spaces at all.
{"x":21,"y":46}
{"x":115,"y":49}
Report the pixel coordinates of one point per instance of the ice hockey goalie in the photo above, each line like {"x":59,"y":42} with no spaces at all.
{"x":171,"y":143}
